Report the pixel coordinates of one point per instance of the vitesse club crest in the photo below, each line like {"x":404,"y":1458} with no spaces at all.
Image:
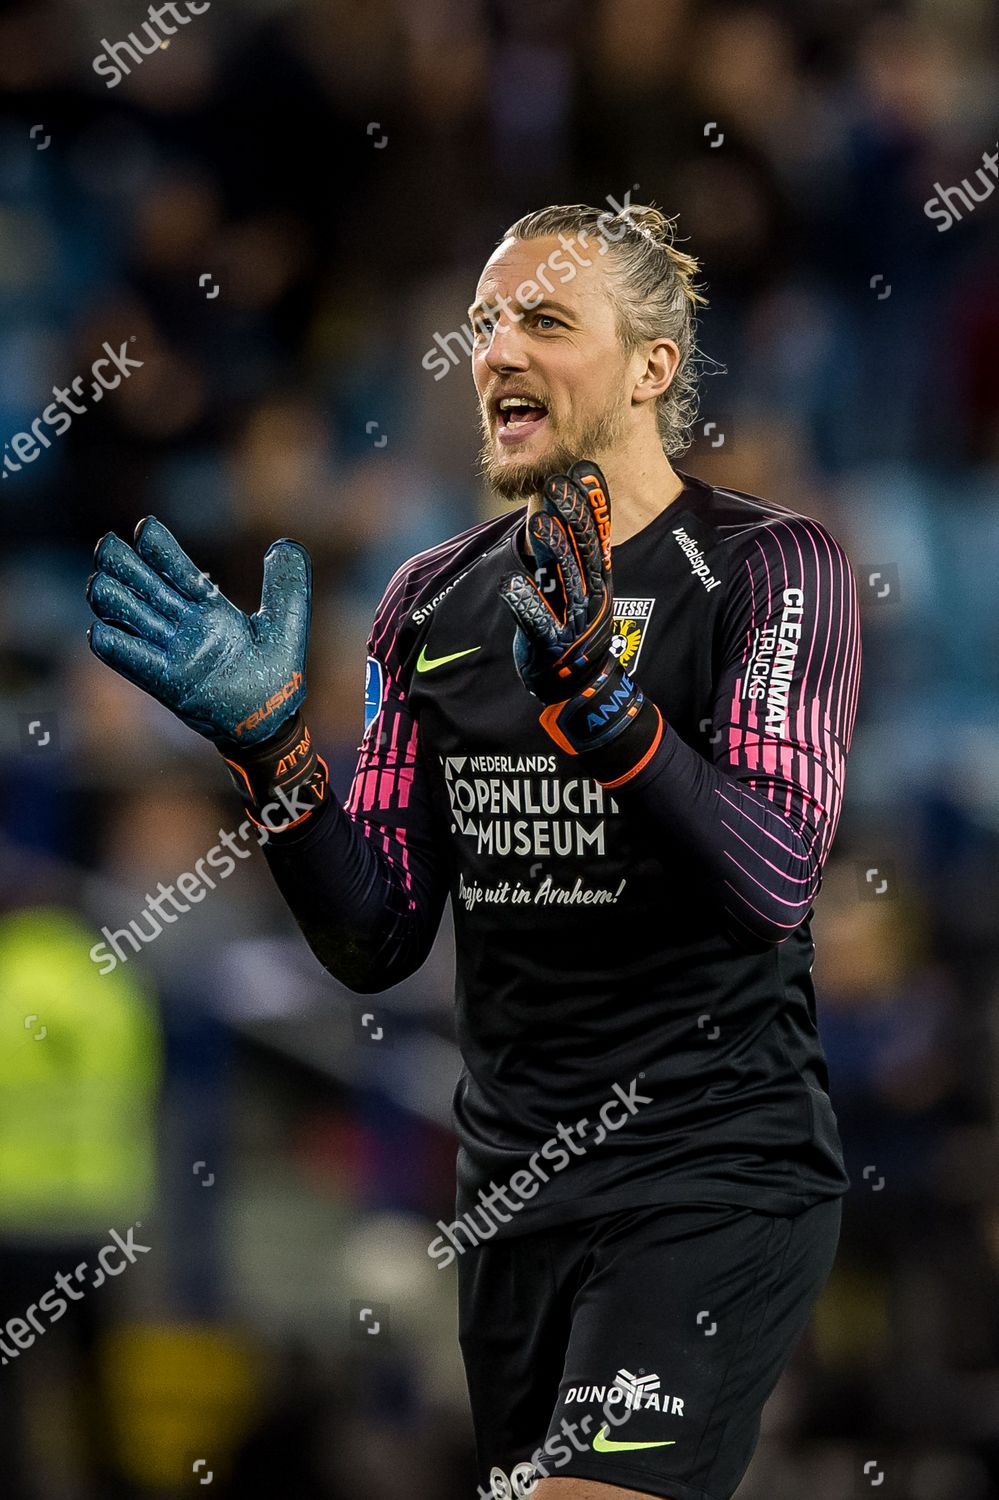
{"x":631,"y":620}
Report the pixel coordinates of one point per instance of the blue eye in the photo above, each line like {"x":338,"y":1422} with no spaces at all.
{"x":484,"y":324}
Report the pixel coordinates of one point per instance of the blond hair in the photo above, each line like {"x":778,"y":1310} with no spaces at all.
{"x":655,"y":293}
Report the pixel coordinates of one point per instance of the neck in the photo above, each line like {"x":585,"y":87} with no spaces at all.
{"x":642,"y":483}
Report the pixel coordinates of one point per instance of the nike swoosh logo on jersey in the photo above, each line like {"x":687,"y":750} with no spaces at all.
{"x":603,"y":1444}
{"x":426,"y":663}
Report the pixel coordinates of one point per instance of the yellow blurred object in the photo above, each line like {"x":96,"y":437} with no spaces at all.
{"x":850,"y":1326}
{"x":80,"y":1060}
{"x":181,"y":1395}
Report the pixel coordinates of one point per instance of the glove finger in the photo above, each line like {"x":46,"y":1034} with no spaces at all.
{"x":539,"y":643}
{"x":587,"y":478}
{"x":286,"y":596}
{"x":160,"y":549}
{"x":579,"y":506}
{"x":532,"y":612}
{"x":570,"y":504}
{"x":115,"y":604}
{"x":141,"y":663}
{"x":548,"y":533}
{"x":548,"y":574}
{"x":119,"y":560}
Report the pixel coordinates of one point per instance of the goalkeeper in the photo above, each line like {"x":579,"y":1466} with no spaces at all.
{"x":612,"y":726}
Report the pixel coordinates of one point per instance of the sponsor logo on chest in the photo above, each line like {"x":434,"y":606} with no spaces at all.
{"x":692,"y":552}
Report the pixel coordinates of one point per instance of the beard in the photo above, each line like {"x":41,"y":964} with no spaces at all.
{"x":592,"y":439}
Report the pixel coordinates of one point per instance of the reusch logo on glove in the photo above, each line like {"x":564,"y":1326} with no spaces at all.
{"x":281,"y":696}
{"x":601,"y":513}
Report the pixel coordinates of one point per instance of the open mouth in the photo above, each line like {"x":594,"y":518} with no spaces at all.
{"x":519,"y":417}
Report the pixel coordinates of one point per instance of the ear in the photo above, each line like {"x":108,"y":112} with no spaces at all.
{"x":657,"y":363}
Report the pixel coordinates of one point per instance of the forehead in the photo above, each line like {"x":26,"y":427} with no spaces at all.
{"x":515,"y":264}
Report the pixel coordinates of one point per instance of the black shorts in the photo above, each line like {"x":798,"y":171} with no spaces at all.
{"x":637,"y":1348}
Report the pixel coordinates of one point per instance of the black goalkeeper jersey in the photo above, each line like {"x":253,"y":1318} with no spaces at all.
{"x":635,"y":1007}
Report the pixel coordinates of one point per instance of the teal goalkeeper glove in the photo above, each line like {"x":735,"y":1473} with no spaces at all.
{"x":563,"y":649}
{"x":163,"y":624}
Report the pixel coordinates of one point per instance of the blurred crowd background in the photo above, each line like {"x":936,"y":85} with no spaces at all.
{"x":276,"y":212}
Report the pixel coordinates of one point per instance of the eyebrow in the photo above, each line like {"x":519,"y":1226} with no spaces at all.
{"x":523,"y":307}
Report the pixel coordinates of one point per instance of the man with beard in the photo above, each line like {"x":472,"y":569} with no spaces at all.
{"x":628,"y":783}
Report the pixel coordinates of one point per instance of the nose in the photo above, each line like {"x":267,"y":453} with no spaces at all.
{"x":505,"y":350}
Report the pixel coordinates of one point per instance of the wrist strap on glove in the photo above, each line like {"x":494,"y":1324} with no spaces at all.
{"x":611,"y":724}
{"x":282,"y":780}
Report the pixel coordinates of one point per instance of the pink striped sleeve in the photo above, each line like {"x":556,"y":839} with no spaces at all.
{"x":758,"y":819}
{"x":786,"y":706}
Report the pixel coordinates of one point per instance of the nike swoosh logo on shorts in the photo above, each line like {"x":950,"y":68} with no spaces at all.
{"x":604,"y":1444}
{"x":426,"y":663}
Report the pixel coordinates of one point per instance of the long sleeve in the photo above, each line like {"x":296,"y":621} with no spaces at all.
{"x":758,"y":822}
{"x":365,"y":880}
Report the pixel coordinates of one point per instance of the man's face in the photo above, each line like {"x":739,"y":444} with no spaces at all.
{"x":562,"y":353}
